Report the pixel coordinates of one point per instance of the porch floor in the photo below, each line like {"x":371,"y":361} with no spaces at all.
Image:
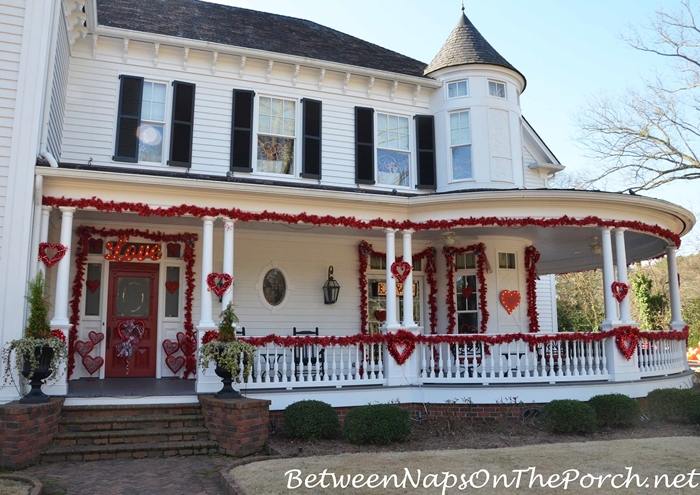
{"x":130,"y":387}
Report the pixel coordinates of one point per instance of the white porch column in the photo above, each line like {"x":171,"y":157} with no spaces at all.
{"x":608,"y":279}
{"x":44,"y":232}
{"x":391,"y":323}
{"x":625,"y":317}
{"x":408,"y":321}
{"x":677,"y":322}
{"x":205,"y":320}
{"x":60,"y":315}
{"x":228,"y":259}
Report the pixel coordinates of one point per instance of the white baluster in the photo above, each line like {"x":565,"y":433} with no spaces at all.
{"x":604,"y":360}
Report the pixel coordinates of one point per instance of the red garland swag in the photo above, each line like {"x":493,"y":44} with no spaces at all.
{"x":145,"y":210}
{"x":85,"y":233}
{"x":482,"y":264}
{"x":532,"y":256}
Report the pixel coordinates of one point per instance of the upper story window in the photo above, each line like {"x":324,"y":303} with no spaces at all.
{"x":152,"y":122}
{"x":497,"y":89}
{"x":460,"y":145}
{"x":276,"y":135}
{"x":506,"y":261}
{"x":457,"y":89}
{"x":393,"y":156}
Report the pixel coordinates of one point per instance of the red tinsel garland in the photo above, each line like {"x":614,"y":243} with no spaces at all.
{"x":84,"y":234}
{"x":236,"y":214}
{"x":532,"y":256}
{"x":481,"y":264}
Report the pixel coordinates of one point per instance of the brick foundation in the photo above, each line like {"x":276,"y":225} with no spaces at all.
{"x":240,"y":426}
{"x":26,"y":430}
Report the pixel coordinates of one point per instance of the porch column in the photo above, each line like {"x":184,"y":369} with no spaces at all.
{"x":677,"y":322}
{"x":60,"y":315}
{"x":205,"y":319}
{"x":625,"y":317}
{"x":44,"y":233}
{"x":391,"y":323}
{"x":228,"y":259}
{"x":408,"y":283}
{"x":608,"y":279}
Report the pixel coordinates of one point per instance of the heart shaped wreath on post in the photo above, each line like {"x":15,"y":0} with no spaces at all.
{"x":60,"y":252}
{"x":401,"y":270}
{"x":626,"y":341}
{"x":620,"y":291}
{"x":130,"y":332}
{"x":219,"y":283}
{"x":404,"y":339}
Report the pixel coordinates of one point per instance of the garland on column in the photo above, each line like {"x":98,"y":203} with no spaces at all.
{"x":482,"y":264}
{"x":532,"y":256}
{"x":85,"y":233}
{"x":366,"y":250}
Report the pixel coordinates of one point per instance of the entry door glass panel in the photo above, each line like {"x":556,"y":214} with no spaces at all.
{"x":133,"y":296}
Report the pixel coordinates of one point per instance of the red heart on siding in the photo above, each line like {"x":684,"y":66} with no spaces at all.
{"x":510,"y":299}
{"x":170,"y":347}
{"x":93,"y":364}
{"x":83,"y":347}
{"x":175,"y":363}
{"x":96,"y":337}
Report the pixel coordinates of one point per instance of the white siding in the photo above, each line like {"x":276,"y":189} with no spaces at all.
{"x":532,"y":177}
{"x":546,"y":303}
{"x":58,"y":92}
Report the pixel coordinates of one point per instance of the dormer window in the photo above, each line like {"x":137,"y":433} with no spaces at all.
{"x":458,"y":89}
{"x":461,"y":145}
{"x":393,"y":156}
{"x":497,"y":89}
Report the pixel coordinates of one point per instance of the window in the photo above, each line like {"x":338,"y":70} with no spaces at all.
{"x":276,"y":132}
{"x":274,"y":287}
{"x":467,"y":303}
{"x":460,"y":145}
{"x":152,"y":122}
{"x":172,"y":291}
{"x":506,"y":261}
{"x":497,"y":89}
{"x":376,"y":302}
{"x":457,"y":89}
{"x":393,"y":155}
{"x":93,"y":292}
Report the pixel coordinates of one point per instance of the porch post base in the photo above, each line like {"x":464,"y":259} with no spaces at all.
{"x":619,"y":368}
{"x":206,"y":380}
{"x":677,"y":325}
{"x":405,"y":374}
{"x":58,"y":385}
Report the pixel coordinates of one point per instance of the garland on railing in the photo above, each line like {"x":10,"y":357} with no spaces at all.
{"x":145,"y":210}
{"x":482,"y":264}
{"x":366,"y":250}
{"x":84,"y":234}
{"x":532,"y":256}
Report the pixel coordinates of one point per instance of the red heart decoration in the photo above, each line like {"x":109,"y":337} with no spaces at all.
{"x":58,"y":256}
{"x":84,"y":347}
{"x":175,"y":363}
{"x":402,"y":338}
{"x":172,"y":286}
{"x":173,"y":249}
{"x":401,"y":270}
{"x":510,"y":299}
{"x":170,"y":347}
{"x":92,"y":285}
{"x":467,"y":291}
{"x":219,"y":283}
{"x":620,"y":291}
{"x":126,"y":330}
{"x":380,"y":315}
{"x":93,"y":364}
{"x":96,"y":337}
{"x":95,"y":245}
{"x":187,"y":345}
{"x":627,"y":344}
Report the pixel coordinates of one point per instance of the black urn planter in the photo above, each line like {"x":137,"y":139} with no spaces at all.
{"x":44,"y":355}
{"x":227,"y":391}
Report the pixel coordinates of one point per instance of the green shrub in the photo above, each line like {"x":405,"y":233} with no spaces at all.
{"x":379,"y":423}
{"x":666,"y":404}
{"x":616,"y":410}
{"x":569,"y":416}
{"x":310,"y":419}
{"x":691,"y":405}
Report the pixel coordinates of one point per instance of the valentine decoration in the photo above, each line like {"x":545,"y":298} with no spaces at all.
{"x":219,"y":283}
{"x":144,"y":252}
{"x":380,"y":315}
{"x":400,"y":270}
{"x":92,"y":285}
{"x":510,"y":299}
{"x":404,"y":339}
{"x":619,"y":291}
{"x":172,"y":286}
{"x":96,"y":337}
{"x":532,"y":256}
{"x":210,"y":336}
{"x":626,"y":339}
{"x":467,"y":291}
{"x":173,"y":249}
{"x":59,"y":335}
{"x":130,"y":332}
{"x":187,"y":343}
{"x":56,"y":257}
{"x":95,"y":245}
{"x":482,"y":264}
{"x":170,"y":347}
{"x":93,"y":364}
{"x":83,"y":347}
{"x":175,"y":363}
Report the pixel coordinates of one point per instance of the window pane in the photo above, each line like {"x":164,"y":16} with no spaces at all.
{"x":276,"y":107}
{"x":469,"y":260}
{"x":393,"y":140}
{"x":264,"y":123}
{"x":93,"y":289}
{"x":133,"y":296}
{"x":289,"y":109}
{"x":461,"y":162}
{"x":392,"y":168}
{"x":264,"y":106}
{"x":158,"y":112}
{"x":147,"y":91}
{"x":275,"y":155}
{"x":462,"y":88}
{"x":150,"y":143}
{"x":506,"y":261}
{"x":146,"y":110}
{"x":159,"y":93}
{"x":276,"y":125}
{"x":497,"y":89}
{"x":451,"y":90}
{"x":403,"y":125}
{"x":172,"y":292}
{"x":288,"y":127}
{"x":274,"y":287}
{"x":467,"y":323}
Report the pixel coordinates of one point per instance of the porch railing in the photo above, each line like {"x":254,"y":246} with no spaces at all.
{"x":661,"y":356}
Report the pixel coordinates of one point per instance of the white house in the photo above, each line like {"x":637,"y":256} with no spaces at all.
{"x":171,"y":147}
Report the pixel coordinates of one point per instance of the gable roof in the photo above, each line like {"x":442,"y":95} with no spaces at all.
{"x":235,"y":26}
{"x":464,"y":46}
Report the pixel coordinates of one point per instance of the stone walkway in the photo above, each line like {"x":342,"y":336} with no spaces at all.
{"x":195,"y":475}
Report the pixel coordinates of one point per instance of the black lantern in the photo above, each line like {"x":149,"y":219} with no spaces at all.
{"x":331,"y":288}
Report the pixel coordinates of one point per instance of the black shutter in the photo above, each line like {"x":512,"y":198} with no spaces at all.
{"x":242,"y":131}
{"x":181,"y":129}
{"x":364,"y":145}
{"x":425,"y":135}
{"x":311,"y":151}
{"x":126,"y":148}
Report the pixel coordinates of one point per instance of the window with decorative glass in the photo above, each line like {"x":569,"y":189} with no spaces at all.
{"x":393,"y":150}
{"x":276,"y":133}
{"x":497,"y":89}
{"x":457,"y":89}
{"x":506,"y":261}
{"x":152,"y":122}
{"x":461,"y":145}
{"x":376,"y":302}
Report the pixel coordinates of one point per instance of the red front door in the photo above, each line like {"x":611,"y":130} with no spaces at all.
{"x":133,"y":295}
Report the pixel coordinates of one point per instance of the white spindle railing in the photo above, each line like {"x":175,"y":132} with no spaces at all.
{"x":661,"y":356}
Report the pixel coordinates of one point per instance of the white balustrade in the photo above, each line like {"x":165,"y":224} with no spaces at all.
{"x":661,"y":357}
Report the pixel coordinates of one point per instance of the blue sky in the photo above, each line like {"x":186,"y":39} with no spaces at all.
{"x":569,"y":50}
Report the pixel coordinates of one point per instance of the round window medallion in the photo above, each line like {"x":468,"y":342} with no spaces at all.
{"x":274,"y":287}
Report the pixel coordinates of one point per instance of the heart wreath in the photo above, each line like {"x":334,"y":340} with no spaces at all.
{"x":627,"y":343}
{"x":380,"y":315}
{"x":96,"y":337}
{"x":467,"y":291}
{"x":620,"y":291}
{"x":403,"y":339}
{"x":130,"y":332}
{"x":83,"y":347}
{"x":510,"y":299}
{"x":219,"y":283}
{"x":170,"y":347}
{"x":401,"y":270}
{"x":93,"y":364}
{"x":92,"y":285}
{"x":60,"y":252}
{"x":175,"y":363}
{"x":172,"y":286}
{"x":187,"y":344}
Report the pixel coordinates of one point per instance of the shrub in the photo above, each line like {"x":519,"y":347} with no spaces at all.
{"x":569,"y":416}
{"x":691,"y":405}
{"x":378,"y":423}
{"x":615,"y":410}
{"x":310,"y":419}
{"x":666,"y":404}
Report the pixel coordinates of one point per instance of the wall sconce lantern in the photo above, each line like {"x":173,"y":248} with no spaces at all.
{"x":331,"y":288}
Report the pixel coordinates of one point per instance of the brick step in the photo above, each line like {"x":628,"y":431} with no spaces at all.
{"x":129,"y":450}
{"x":154,"y":435}
{"x":130,"y":422}
{"x":71,"y":412}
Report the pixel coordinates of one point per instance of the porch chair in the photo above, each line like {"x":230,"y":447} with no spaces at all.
{"x":306,"y":355}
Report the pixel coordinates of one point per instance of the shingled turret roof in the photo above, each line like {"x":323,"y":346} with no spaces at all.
{"x":464,"y":46}
{"x":235,"y":26}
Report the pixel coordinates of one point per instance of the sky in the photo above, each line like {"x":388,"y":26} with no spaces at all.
{"x":569,"y":51}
